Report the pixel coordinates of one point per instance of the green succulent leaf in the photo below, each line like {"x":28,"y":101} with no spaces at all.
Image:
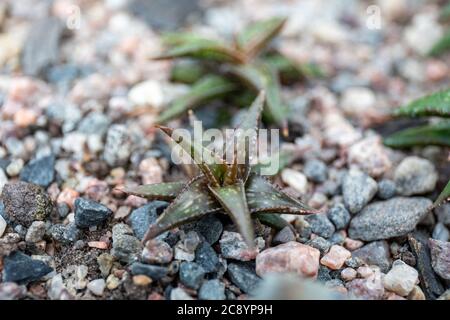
{"x":272,"y":220}
{"x":158,"y":191}
{"x":257,"y":35}
{"x":196,"y":47}
{"x":193,"y":202}
{"x":444,"y":196}
{"x":264,"y":197}
{"x":207,"y":88}
{"x":290,"y":71}
{"x":212,"y":166}
{"x":187,"y":72}
{"x":234,"y":201}
{"x":263,"y":77}
{"x":435,"y":104}
{"x":433,"y":134}
{"x":441,"y":46}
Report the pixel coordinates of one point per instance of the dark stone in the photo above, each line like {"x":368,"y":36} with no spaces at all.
{"x":89,"y":213}
{"x":386,"y":189}
{"x":210,"y":228}
{"x":41,"y":48}
{"x":161,"y":14}
{"x":440,"y":257}
{"x":320,"y":225}
{"x":20,"y":268}
{"x":212,"y":290}
{"x":284,"y":235}
{"x":207,"y":257}
{"x":191,"y":274}
{"x":141,"y":218}
{"x":337,"y":238}
{"x":320,"y":244}
{"x":375,"y":253}
{"x":324,"y":274}
{"x":432,"y":288}
{"x":243,"y":275}
{"x":339,"y":215}
{"x":39,"y":171}
{"x":3,"y":213}
{"x":4,"y":163}
{"x":63,"y":209}
{"x":25,"y":202}
{"x":151,"y":271}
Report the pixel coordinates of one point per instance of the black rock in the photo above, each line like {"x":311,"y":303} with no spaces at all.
{"x":375,"y":253}
{"x":431,"y":286}
{"x":141,"y":218}
{"x":161,"y":14}
{"x":191,"y":274}
{"x":39,"y":171}
{"x":89,"y":213}
{"x":151,"y":271}
{"x":41,"y":48}
{"x":339,"y":215}
{"x":320,"y":225}
{"x":207,"y":257}
{"x":337,"y":238}
{"x":20,"y":268}
{"x":284,"y":235}
{"x":324,"y":274}
{"x":243,"y":276}
{"x":210,"y":228}
{"x":212,"y":290}
{"x":25,"y":202}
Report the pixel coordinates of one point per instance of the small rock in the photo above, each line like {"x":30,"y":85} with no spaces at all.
{"x":375,"y":253}
{"x":415,"y":175}
{"x":440,"y":232}
{"x":443,"y":214}
{"x":284,"y":235}
{"x":14,"y":168}
{"x":142,"y":280}
{"x":320,"y":225}
{"x":126,"y":247}
{"x":386,"y":189}
{"x":12,"y":291}
{"x":112,"y":282}
{"x":179,"y":294}
{"x":339,"y":215}
{"x":118,"y":146}
{"x":3,"y":226}
{"x":316,"y":170}
{"x":233,"y":246}
{"x":89,"y":213}
{"x":352,"y":245}
{"x":185,"y":248}
{"x":401,"y":279}
{"x":289,"y":257}
{"x":35,"y":232}
{"x":157,"y":251}
{"x":416,"y":294}
{"x":370,"y":288}
{"x":105,"y":263}
{"x":440,"y":257}
{"x":151,"y":271}
{"x":25,"y":202}
{"x":191,"y":274}
{"x":141,"y":218}
{"x":40,"y":171}
{"x":295,"y":180}
{"x":20,"y":268}
{"x":207,"y":257}
{"x":210,"y":228}
{"x":57,"y":290}
{"x":243,"y":276}
{"x":370,"y":155}
{"x":336,"y":257}
{"x":387,"y":219}
{"x":357,"y":101}
{"x":358,"y":189}
{"x":348,"y":274}
{"x":97,"y":286}
{"x":319,"y":243}
{"x":147,"y":93}
{"x":212,"y":290}
{"x":3,"y":179}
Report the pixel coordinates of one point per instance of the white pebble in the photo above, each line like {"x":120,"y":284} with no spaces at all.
{"x":97,"y":286}
{"x":295,"y":180}
{"x":401,"y":279}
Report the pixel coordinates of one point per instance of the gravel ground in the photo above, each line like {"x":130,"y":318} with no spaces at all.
{"x":71,"y":85}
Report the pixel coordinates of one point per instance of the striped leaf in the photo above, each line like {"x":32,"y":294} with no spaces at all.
{"x":433,"y":134}
{"x":435,"y":104}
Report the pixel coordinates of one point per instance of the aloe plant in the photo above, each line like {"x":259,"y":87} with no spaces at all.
{"x":218,"y":68}
{"x":231,"y":188}
{"x":436,"y":133}
{"x":443,"y":44}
